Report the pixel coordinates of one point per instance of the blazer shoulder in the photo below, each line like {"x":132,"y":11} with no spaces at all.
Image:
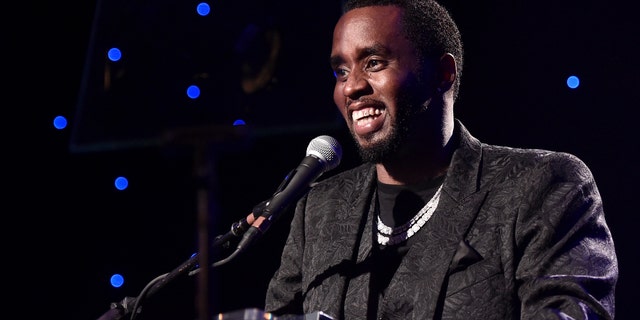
{"x":559,"y":164}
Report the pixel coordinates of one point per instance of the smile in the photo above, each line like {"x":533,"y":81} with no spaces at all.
{"x":364,"y":116}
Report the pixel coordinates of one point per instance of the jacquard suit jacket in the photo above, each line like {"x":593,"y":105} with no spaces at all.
{"x":518,"y":234}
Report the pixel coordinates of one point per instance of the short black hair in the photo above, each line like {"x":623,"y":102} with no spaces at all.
{"x":428,"y":25}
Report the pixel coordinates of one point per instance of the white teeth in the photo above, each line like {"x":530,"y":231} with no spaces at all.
{"x":363,"y":113}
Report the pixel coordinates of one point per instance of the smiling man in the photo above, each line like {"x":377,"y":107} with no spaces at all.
{"x":435,"y":224}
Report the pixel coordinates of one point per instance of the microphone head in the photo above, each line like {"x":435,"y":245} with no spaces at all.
{"x":327,"y":149}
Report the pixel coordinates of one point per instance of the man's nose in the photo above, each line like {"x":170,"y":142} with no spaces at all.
{"x":357,"y":84}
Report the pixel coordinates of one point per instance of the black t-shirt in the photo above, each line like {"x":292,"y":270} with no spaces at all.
{"x":396,"y":205}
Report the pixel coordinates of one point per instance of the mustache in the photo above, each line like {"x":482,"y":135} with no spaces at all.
{"x":369,"y":102}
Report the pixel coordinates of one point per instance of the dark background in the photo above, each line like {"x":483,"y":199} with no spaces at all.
{"x":68,"y":229}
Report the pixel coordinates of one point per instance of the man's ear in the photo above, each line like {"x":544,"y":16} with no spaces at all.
{"x":446,"y":72}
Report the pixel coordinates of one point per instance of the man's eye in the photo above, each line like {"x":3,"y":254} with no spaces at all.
{"x":340,"y":73}
{"x":374,"y":64}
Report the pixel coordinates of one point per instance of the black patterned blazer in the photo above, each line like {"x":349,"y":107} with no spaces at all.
{"x":517,"y":234}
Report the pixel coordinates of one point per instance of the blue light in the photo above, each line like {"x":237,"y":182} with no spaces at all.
{"x":193,"y":92}
{"x":121,"y":183}
{"x":114,"y":54}
{"x":193,"y":256}
{"x":573,"y":82}
{"x":239,"y":122}
{"x":203,"y":9}
{"x":117,"y":280}
{"x":60,"y":122}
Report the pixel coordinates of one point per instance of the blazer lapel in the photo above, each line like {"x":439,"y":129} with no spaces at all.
{"x":352,"y":247}
{"x":428,"y":261}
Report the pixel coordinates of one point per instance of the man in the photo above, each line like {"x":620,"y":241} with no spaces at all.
{"x":435,"y":224}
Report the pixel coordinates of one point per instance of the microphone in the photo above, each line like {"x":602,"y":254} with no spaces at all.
{"x":323,"y":154}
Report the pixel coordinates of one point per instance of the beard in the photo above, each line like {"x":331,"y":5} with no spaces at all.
{"x":390,"y":145}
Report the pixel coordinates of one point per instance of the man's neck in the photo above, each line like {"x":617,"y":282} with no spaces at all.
{"x":409,"y":174}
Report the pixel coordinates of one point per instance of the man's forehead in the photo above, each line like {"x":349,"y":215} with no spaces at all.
{"x":369,"y":24}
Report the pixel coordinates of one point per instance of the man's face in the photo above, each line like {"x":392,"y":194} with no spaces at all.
{"x":377,"y":88}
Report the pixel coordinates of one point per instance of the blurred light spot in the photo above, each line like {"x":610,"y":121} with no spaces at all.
{"x":60,"y":122}
{"x":573,"y":82}
{"x":114,"y":54}
{"x":117,"y":280}
{"x":239,"y":122}
{"x":193,"y":256}
{"x":121,"y":183}
{"x":193,"y":92}
{"x":203,"y":8}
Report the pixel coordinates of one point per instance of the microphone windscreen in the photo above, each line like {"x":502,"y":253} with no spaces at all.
{"x":327,"y":149}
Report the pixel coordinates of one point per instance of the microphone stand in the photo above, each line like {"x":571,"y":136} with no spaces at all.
{"x":118,"y":310}
{"x":256,"y":223}
{"x":194,"y":136}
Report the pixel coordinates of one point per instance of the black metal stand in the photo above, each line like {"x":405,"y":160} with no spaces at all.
{"x":128,"y":305}
{"x":204,"y":140}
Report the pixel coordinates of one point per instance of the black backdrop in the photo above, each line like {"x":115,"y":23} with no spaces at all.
{"x":68,"y":229}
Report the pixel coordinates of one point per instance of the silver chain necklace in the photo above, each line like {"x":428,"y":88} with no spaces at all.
{"x":390,"y":236}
